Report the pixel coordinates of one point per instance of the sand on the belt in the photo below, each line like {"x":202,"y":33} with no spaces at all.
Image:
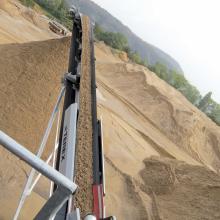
{"x":84,"y":157}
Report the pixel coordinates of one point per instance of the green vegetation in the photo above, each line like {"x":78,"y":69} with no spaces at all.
{"x":214,"y":114}
{"x":28,"y":3}
{"x":178,"y":81}
{"x":114,"y":40}
{"x":135,"y":57}
{"x":54,"y":9}
{"x":205,"y":102}
{"x":210,"y":107}
{"x":57,"y":9}
{"x":117,"y":41}
{"x":172,"y":77}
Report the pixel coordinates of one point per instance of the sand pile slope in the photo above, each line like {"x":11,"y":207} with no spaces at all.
{"x":144,"y":117}
{"x":157,"y":104}
{"x":129,"y":98}
{"x":181,"y":191}
{"x":30,"y":82}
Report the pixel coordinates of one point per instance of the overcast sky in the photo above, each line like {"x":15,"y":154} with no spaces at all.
{"x":188,"y":30}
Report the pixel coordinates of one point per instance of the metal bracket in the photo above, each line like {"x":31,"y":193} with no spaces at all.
{"x":75,"y":15}
{"x":54,"y":204}
{"x":74,"y":79}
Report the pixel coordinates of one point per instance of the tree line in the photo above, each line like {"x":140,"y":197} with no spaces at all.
{"x":118,"y":41}
{"x":206,"y":104}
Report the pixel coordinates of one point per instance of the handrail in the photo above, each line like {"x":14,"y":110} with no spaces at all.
{"x":39,"y":153}
{"x":56,"y":144}
{"x":35,"y":162}
{"x":39,"y":175}
{"x":65,"y":186}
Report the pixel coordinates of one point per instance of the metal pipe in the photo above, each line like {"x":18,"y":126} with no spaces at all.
{"x":50,"y":123}
{"x":55,"y":151}
{"x":39,"y":175}
{"x":39,"y":153}
{"x":90,"y":217}
{"x":34,"y":161}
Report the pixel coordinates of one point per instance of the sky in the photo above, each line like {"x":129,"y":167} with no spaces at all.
{"x":188,"y":30}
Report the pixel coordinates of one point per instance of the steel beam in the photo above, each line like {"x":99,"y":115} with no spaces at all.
{"x":35,"y":162}
{"x":54,"y":204}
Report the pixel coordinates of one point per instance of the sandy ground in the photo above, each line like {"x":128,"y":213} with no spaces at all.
{"x":149,"y":128}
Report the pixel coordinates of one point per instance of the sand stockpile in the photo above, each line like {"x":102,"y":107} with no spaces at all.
{"x":181,"y":191}
{"x":171,"y":190}
{"x":30,"y":82}
{"x":144,"y":117}
{"x":163,"y":110}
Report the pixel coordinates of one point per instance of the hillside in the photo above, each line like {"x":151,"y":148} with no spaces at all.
{"x":110,"y":23}
{"x":162,"y":154}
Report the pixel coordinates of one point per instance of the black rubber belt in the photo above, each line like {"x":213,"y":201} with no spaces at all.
{"x":95,"y":147}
